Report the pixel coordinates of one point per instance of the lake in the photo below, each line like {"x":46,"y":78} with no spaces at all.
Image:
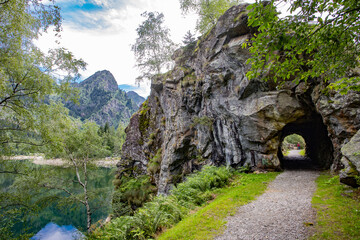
{"x":61,"y":219}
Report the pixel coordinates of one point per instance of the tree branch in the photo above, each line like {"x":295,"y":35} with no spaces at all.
{"x":13,"y":172}
{"x":22,"y":142}
{"x":64,"y":190}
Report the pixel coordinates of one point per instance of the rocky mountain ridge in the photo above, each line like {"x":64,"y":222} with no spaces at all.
{"x":206,"y":111}
{"x":102,"y":101}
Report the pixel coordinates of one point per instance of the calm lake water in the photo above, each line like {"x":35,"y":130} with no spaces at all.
{"x":66,"y":220}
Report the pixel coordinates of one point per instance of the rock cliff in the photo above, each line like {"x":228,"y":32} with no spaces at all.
{"x":205,"y":111}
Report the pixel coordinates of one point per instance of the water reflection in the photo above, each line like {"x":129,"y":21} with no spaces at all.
{"x":71,"y":216}
{"x":53,"y":231}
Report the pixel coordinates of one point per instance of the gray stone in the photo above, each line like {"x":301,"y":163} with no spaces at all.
{"x":351,"y":161}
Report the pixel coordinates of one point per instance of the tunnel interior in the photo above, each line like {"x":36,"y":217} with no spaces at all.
{"x":319,"y":149}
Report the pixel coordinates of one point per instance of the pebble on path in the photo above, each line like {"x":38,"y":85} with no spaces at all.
{"x":284,"y":211}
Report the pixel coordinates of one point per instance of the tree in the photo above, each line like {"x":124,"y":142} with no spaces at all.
{"x":79,"y":144}
{"x":28,"y":76}
{"x":153,"y":47}
{"x":120,"y":136}
{"x":188,"y":38}
{"x":320,"y":39}
{"x":208,"y":10}
{"x":31,"y":85}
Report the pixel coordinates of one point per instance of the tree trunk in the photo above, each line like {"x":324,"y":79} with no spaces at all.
{"x":88,"y":209}
{"x":86,"y":198}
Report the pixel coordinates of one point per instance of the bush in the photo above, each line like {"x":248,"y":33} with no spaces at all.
{"x":195,"y":189}
{"x":131,"y":193}
{"x":165,"y":211}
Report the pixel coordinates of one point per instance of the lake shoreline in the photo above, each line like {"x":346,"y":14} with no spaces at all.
{"x":41,"y":160}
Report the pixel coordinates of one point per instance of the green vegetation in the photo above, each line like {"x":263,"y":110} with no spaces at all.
{"x":33,"y":207}
{"x":144,"y":119}
{"x":131,"y":193}
{"x":153,"y":47}
{"x":188,"y":38}
{"x":210,"y":220}
{"x":203,"y":121}
{"x":338,"y":209}
{"x":302,"y":153}
{"x":319,"y":40}
{"x":199,"y":188}
{"x":208,"y":10}
{"x":33,"y":87}
{"x":155,"y":163}
{"x":28,"y":76}
{"x":79,"y":144}
{"x":291,"y":141}
{"x":113,"y":138}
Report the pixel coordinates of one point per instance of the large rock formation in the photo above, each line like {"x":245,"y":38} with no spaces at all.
{"x":102,"y":101}
{"x":205,"y":111}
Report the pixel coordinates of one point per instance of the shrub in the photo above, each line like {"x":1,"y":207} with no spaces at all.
{"x":195,"y":189}
{"x":131,"y":194}
{"x":157,"y":214}
{"x":119,"y":228}
{"x":162,"y":211}
{"x":155,"y":163}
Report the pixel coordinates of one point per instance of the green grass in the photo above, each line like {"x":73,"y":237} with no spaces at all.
{"x":338,"y":210}
{"x":302,"y":152}
{"x":209,"y":221}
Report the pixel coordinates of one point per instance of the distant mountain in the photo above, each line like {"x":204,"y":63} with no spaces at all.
{"x":142,"y":90}
{"x":101,"y":100}
{"x":135,"y":97}
{"x":127,"y":87}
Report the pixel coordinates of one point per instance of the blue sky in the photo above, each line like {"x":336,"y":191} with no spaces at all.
{"x":102,"y":31}
{"x":89,"y":14}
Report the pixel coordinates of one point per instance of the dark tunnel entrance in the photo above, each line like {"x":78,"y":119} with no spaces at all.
{"x":318,"y":146}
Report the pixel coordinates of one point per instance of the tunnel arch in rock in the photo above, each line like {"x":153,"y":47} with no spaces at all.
{"x":319,"y":147}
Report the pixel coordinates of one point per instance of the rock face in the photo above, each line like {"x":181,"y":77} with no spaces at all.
{"x":351,"y":161}
{"x":205,"y":111}
{"x":101,"y":101}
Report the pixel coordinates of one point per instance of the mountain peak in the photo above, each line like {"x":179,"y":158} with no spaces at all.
{"x":101,"y":100}
{"x":101,"y":79}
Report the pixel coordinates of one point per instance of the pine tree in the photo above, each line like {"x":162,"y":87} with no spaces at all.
{"x":188,"y":38}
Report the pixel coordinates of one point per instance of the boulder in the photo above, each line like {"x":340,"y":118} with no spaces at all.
{"x":351,"y":160}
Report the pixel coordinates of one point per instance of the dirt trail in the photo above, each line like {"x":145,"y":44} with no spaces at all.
{"x":283,"y":212}
{"x":294,"y":154}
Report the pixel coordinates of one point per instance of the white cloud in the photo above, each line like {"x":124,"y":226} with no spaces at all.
{"x":107,"y":46}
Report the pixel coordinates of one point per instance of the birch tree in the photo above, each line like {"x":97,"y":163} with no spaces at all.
{"x":208,"y":10}
{"x":79,"y":144}
{"x":153,"y":47}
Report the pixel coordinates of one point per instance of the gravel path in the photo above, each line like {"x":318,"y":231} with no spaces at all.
{"x":294,"y":153}
{"x":280,"y":213}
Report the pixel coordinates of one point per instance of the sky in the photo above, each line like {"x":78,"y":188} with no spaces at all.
{"x":101,"y":33}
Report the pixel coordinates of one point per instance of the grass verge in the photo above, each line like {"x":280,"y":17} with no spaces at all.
{"x":302,"y":152}
{"x":338,"y":210}
{"x":209,"y":221}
